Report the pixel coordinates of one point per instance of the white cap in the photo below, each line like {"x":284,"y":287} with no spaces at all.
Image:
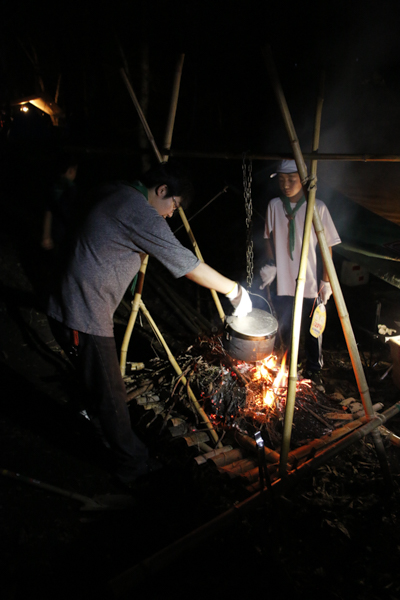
{"x":285,"y":166}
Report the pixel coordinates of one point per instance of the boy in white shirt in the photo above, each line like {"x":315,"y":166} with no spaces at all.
{"x":284,"y":227}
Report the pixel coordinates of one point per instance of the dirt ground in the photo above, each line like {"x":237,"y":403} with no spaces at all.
{"x":335,"y":535}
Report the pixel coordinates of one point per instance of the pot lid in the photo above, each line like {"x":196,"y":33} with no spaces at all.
{"x":258,"y":323}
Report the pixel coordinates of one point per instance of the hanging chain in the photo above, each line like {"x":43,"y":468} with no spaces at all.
{"x":247,"y":180}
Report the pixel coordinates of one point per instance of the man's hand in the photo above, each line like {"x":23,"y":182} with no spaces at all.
{"x":268,"y":274}
{"x":325,"y":291}
{"x":240,"y":300}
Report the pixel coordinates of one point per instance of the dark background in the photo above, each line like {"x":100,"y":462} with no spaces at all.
{"x":226,"y":104}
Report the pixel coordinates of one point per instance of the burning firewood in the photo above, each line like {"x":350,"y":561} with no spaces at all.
{"x":236,"y":396}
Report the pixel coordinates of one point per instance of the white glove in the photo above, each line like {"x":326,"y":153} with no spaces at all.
{"x":240,"y":301}
{"x":326,"y":291}
{"x":268,"y":274}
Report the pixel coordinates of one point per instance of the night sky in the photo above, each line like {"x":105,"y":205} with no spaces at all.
{"x":226,"y":98}
{"x":226,"y":102}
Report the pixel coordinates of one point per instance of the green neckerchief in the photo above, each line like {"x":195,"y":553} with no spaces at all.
{"x":291,"y":213}
{"x":138,"y":185}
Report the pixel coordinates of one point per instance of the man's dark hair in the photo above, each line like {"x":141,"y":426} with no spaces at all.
{"x":172,"y":174}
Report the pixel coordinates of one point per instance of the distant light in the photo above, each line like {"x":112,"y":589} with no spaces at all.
{"x":24,"y":109}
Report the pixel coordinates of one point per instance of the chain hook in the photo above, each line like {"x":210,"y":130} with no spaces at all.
{"x":247,"y":181}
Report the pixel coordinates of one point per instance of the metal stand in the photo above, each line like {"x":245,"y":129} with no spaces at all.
{"x":262,"y":464}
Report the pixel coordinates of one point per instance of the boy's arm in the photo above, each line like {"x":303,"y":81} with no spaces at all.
{"x":268,"y":271}
{"x":325,"y":286}
{"x":270,"y":251}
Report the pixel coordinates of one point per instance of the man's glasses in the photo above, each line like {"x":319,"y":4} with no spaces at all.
{"x":176,"y":205}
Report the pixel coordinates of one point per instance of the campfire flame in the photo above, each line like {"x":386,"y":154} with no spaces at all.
{"x":274,"y":385}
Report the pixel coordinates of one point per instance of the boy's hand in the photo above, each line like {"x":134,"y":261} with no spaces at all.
{"x":267,"y":274}
{"x":325,"y":291}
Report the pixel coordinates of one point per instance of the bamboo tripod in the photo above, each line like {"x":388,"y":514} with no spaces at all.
{"x":336,"y":289}
{"x":137,"y":302}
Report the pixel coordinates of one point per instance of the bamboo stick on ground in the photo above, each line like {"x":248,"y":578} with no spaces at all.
{"x":211,"y":454}
{"x":238,"y":467}
{"x":203,"y":447}
{"x":139,"y":391}
{"x":253,"y":476}
{"x":339,"y":416}
{"x":127,"y":581}
{"x":316,"y":416}
{"x":392,"y":437}
{"x":225,"y":458}
{"x":325,"y":440}
{"x":360,"y":413}
{"x":366,"y":428}
{"x":247,"y":442}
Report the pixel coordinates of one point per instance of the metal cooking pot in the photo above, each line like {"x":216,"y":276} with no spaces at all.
{"x":250,"y":338}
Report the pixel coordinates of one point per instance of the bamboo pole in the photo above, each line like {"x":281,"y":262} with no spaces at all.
{"x":141,"y":114}
{"x":251,"y":156}
{"x":173,"y":106}
{"x":299,"y":294}
{"x":371,"y":425}
{"x":280,"y":156}
{"x":132,"y":317}
{"x":199,"y":256}
{"x":351,"y":344}
{"x":178,"y":370}
{"x":203,"y":207}
{"x":392,"y":437}
{"x":337,"y":292}
{"x":297,"y":313}
{"x":325,"y":440}
{"x":137,"y":302}
{"x":181,"y":211}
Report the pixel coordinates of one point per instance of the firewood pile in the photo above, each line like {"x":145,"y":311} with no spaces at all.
{"x":236,"y":396}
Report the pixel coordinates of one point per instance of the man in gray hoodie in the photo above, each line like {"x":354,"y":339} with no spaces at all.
{"x":128,"y":222}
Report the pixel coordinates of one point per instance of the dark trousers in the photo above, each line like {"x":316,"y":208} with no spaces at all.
{"x":96,"y":361}
{"x":313,"y":346}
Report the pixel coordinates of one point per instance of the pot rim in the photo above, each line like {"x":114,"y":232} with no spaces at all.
{"x":250,"y":338}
